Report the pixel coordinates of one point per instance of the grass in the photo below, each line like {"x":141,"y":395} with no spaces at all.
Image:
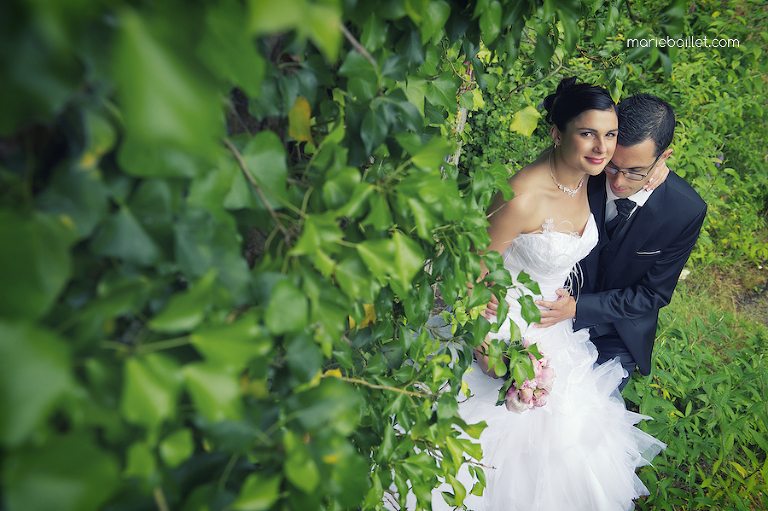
{"x":707,"y":394}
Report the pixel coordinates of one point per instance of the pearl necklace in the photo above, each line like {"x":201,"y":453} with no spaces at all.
{"x":565,"y":189}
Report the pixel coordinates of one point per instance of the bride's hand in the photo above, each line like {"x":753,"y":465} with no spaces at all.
{"x":492,"y":307}
{"x":659,"y":175}
{"x":555,"y":312}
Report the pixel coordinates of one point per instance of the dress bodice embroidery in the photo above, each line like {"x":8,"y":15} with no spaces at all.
{"x":548,"y":256}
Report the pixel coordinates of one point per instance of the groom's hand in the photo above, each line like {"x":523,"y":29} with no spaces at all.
{"x":554,"y":312}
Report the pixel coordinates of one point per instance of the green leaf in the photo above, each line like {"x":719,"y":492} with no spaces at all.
{"x":164,"y":101}
{"x":520,"y":373}
{"x":150,"y":387}
{"x":288,"y":309}
{"x":525,"y":279}
{"x":363,"y":79}
{"x":264,"y":158}
{"x":325,"y":27}
{"x":530,"y":313}
{"x":234,"y":344}
{"x":143,"y":159}
{"x":333,"y":405}
{"x":543,"y":51}
{"x":121,"y":236}
{"x":374,"y":33}
{"x":215,"y":391}
{"x":442,"y":91}
{"x":300,"y":469}
{"x":424,"y":219}
{"x":184,"y":311}
{"x":228,"y":50}
{"x":480,"y":296}
{"x":34,"y":263}
{"x":350,"y":472}
{"x":38,"y":72}
{"x":410,"y":47}
{"x":67,"y":473}
{"x":397,"y":259}
{"x":355,"y":280}
{"x":490,"y":22}
{"x":34,"y":375}
{"x":416,"y":91}
{"x":177,"y":447}
{"x":304,"y":358}
{"x":272,"y":17}
{"x":140,"y":461}
{"x":373,"y":131}
{"x":435,"y":16}
{"x":569,"y":13}
{"x":431,"y":157}
{"x":258,"y":493}
{"x":459,"y":491}
{"x":359,"y":200}
{"x":201,"y":244}
{"x":525,"y":121}
{"x":478,"y":103}
{"x":380,"y":216}
{"x":76,"y":195}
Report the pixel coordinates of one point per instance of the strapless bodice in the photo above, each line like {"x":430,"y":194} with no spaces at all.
{"x":548,"y":256}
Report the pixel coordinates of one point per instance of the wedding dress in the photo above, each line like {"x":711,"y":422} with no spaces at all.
{"x":579,"y":452}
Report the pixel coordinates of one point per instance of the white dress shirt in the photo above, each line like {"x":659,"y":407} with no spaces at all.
{"x":639,"y":198}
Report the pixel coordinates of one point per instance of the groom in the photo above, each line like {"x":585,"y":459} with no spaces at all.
{"x":646,"y":238}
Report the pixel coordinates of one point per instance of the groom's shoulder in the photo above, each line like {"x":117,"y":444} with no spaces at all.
{"x":680,"y":190}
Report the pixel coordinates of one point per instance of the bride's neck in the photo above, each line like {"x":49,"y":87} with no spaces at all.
{"x":564,"y":173}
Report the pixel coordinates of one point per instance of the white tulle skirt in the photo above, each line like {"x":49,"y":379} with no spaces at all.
{"x":577,"y":453}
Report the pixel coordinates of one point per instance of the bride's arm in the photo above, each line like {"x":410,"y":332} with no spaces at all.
{"x":507,"y":220}
{"x":482,"y":359}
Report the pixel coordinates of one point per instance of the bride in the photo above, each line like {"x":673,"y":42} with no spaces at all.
{"x":579,"y":452}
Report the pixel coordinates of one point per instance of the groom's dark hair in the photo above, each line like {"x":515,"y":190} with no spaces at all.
{"x":643,"y":116}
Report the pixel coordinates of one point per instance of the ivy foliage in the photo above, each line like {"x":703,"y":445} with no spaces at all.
{"x":221,"y":228}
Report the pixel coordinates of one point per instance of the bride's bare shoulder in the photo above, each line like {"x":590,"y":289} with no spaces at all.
{"x":531,"y":179}
{"x":524,"y":211}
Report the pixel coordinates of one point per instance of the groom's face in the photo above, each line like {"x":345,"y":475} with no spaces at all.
{"x":637,"y":160}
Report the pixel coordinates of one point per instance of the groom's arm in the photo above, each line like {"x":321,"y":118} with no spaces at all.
{"x":652,"y":292}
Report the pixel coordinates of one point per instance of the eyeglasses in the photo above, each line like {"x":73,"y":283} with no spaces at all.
{"x":633,"y":176}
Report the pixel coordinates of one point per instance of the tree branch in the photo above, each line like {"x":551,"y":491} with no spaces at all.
{"x":241,"y":162}
{"x":535,"y":82}
{"x":380,"y":387}
{"x":357,"y":46}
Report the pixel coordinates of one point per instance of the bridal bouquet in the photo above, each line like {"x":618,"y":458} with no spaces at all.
{"x":531,"y":378}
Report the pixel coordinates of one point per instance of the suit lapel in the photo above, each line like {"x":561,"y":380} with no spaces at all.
{"x":596,"y":196}
{"x":642,"y":227}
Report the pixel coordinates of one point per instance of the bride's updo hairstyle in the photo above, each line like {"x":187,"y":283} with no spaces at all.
{"x":571,"y":99}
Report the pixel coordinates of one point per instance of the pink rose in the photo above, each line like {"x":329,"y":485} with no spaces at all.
{"x":514,"y":403}
{"x":536,"y":364}
{"x":545,"y":378}
{"x":540,"y":398}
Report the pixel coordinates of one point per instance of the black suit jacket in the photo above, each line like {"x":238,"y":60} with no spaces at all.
{"x":642,"y":274}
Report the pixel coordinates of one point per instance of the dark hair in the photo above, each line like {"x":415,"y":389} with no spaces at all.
{"x":571,"y":99}
{"x":643,"y":116}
